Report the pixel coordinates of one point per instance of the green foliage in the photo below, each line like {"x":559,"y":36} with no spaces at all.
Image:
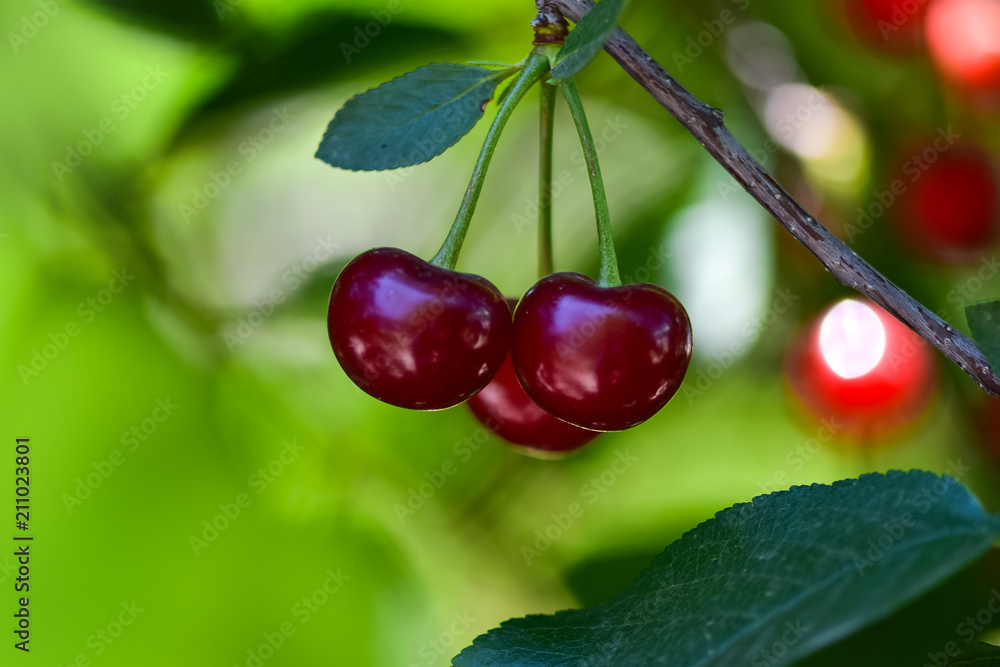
{"x":588,"y":38}
{"x":410,"y":119}
{"x":984,"y":323}
{"x":414,"y":578}
{"x":799,"y":568}
{"x":978,"y":654}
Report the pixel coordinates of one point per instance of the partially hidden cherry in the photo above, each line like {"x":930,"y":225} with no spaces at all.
{"x":507,"y":410}
{"x":415,"y":335}
{"x":601,"y":358}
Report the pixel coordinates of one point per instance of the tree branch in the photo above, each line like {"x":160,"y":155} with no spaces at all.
{"x":706,"y":125}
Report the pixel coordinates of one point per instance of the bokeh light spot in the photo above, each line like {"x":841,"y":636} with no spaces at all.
{"x":852,"y":339}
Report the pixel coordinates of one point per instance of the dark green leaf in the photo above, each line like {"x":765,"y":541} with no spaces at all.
{"x":588,"y":37}
{"x":796,"y":570}
{"x":410,"y":119}
{"x":924,"y":631}
{"x":984,"y":323}
{"x":977,"y":654}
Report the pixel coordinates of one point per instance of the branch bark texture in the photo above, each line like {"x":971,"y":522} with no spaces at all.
{"x":706,"y":124}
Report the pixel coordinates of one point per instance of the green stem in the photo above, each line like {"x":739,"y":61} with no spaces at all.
{"x":609,"y":276}
{"x":548,"y":108}
{"x":534,"y":67}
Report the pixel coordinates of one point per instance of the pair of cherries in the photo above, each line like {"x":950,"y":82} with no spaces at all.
{"x":575,"y":358}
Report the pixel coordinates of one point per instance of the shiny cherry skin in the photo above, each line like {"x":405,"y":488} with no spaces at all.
{"x":601,"y":358}
{"x":507,"y":410}
{"x":861,"y":370}
{"x":962,"y":37}
{"x":950,"y":212}
{"x":415,"y":335}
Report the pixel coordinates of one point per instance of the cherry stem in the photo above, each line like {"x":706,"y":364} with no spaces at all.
{"x":608,"y":276}
{"x":535,"y":65}
{"x":545,"y":136}
{"x":706,"y":124}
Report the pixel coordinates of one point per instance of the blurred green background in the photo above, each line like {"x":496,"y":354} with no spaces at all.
{"x":172,"y":143}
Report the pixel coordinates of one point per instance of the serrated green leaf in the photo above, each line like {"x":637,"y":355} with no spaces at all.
{"x":977,"y":654}
{"x":984,"y":323}
{"x":410,"y":119}
{"x":489,"y":63}
{"x":588,"y":37}
{"x":797,"y":569}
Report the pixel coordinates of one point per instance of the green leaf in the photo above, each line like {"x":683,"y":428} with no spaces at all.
{"x":410,"y":119}
{"x":977,"y":654}
{"x":588,"y":37}
{"x":984,"y":323}
{"x":489,"y":63}
{"x":797,"y":570}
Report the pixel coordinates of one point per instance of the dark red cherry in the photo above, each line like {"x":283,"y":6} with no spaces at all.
{"x":505,"y":408}
{"x":601,"y":358}
{"x":416,"y":335}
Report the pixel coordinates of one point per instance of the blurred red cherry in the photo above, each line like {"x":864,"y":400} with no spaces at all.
{"x":949,"y":211}
{"x":861,"y":370}
{"x":888,"y":24}
{"x":963,"y":37}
